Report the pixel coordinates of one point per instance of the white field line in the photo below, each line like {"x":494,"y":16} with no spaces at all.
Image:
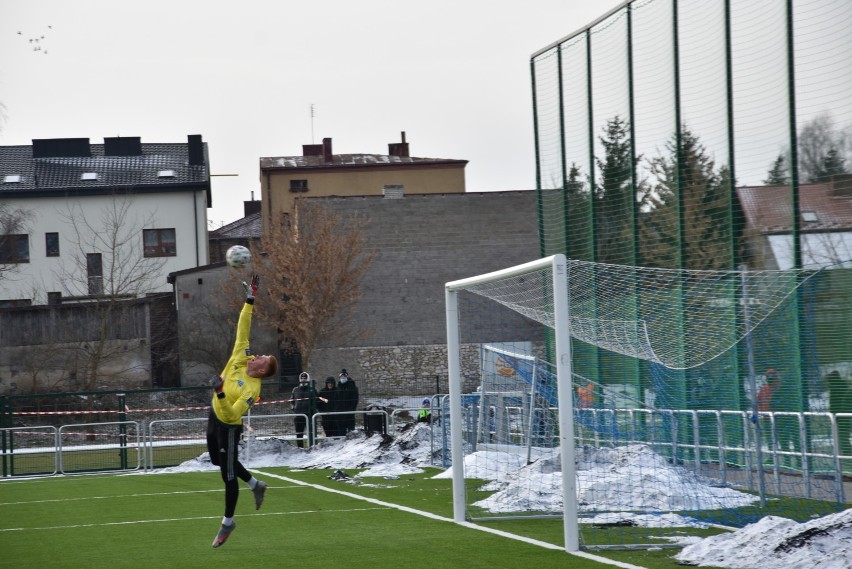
{"x":464,"y":524}
{"x":145,"y":495}
{"x":162,"y":520}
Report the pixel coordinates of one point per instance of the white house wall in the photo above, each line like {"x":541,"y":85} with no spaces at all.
{"x":186,"y":212}
{"x":818,"y":249}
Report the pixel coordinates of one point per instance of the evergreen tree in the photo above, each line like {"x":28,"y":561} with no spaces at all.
{"x":614,"y":196}
{"x":833,"y":164}
{"x":777,"y":175}
{"x":703,"y":239}
{"x":579,"y":230}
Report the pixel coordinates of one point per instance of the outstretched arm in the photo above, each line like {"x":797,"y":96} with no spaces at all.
{"x":241,"y":343}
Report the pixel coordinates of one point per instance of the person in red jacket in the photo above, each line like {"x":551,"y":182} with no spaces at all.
{"x":235,"y":390}
{"x":765,"y":394}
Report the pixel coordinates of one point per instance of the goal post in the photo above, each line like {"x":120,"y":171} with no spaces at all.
{"x":562,"y":343}
{"x":614,"y":397}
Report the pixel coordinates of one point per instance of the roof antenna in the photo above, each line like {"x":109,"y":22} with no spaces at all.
{"x":312,"y":123}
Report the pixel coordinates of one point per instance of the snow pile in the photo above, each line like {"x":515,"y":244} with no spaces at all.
{"x":823,"y":543}
{"x":629,"y":478}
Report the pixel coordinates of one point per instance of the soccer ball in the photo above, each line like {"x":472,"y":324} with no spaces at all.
{"x":238,"y":256}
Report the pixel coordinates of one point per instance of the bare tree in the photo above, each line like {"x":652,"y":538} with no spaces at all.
{"x":115,"y":239}
{"x":826,"y":248}
{"x":822,"y":142}
{"x":312,"y":266}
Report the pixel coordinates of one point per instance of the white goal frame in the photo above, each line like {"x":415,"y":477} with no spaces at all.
{"x":564,"y":371}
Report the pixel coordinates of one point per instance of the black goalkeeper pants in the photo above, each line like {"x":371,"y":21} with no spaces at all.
{"x":223,"y":444}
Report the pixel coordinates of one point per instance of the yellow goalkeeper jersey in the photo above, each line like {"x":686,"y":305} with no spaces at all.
{"x":241,"y":390}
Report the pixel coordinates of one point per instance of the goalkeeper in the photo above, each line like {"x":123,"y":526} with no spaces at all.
{"x":235,"y":391}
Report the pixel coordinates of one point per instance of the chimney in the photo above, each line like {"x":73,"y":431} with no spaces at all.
{"x":326,"y":150}
{"x":250,"y":207}
{"x":399,"y":148}
{"x":123,"y":146}
{"x":196,"y":150}
{"x":312,"y":150}
{"x":61,"y":148}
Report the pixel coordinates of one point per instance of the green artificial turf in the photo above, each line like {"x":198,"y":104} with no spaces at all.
{"x":170,"y":519}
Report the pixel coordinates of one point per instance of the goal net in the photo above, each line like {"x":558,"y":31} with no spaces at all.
{"x":612,"y":398}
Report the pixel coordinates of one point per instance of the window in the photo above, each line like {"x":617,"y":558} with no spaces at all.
{"x":51,"y":241}
{"x":810,"y":216}
{"x":14,"y":248}
{"x":12,"y":179}
{"x":298,"y":185}
{"x":95,"y":273}
{"x":159,"y":242}
{"x":89,"y":176}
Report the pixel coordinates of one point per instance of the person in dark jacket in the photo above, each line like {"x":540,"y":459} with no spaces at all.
{"x":303,"y":402}
{"x":331,"y":396}
{"x":348,"y":401}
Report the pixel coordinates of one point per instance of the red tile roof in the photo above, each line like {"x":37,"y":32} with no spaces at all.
{"x":769,"y":208}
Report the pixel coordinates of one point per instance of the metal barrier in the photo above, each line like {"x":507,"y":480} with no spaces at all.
{"x":115,"y":444}
{"x":711,"y":442}
{"x":30,"y":451}
{"x":167,"y":434}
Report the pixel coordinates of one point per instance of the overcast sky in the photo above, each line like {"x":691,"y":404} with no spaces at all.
{"x":454,"y":75}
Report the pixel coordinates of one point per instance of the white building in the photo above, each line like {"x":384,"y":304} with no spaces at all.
{"x":81,"y":220}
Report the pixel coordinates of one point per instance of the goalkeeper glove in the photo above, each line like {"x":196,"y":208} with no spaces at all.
{"x":251,"y":289}
{"x":218,"y":385}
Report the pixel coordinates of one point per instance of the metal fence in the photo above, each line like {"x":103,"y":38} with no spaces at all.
{"x":709,"y":134}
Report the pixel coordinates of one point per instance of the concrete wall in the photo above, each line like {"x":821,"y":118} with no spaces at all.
{"x":422,"y":242}
{"x":52,"y":348}
{"x":208,"y":302}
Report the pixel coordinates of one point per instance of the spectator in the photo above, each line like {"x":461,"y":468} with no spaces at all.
{"x":235,"y":390}
{"x":303,"y":402}
{"x":786,"y":429}
{"x":586,"y":396}
{"x":425,"y":413}
{"x":767,"y":391}
{"x":330,"y":394}
{"x":348,"y":399}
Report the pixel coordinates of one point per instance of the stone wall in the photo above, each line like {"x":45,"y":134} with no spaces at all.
{"x":399,"y":371}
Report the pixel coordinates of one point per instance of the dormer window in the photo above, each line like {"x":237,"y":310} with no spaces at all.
{"x":166,"y":174}
{"x":89,"y":176}
{"x":810,"y":216}
{"x":12,"y":179}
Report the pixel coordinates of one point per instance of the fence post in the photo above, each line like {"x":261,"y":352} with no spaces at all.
{"x":4,"y":404}
{"x":122,"y":429}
